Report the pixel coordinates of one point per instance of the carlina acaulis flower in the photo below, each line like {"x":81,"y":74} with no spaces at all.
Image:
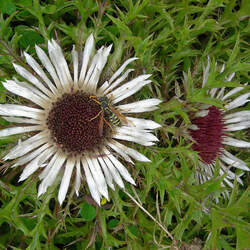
{"x":76,"y":122}
{"x":212,"y":130}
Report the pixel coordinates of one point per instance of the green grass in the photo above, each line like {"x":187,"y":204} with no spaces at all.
{"x":168,"y":37}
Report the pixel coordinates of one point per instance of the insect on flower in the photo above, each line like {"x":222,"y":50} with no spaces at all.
{"x":67,"y":111}
{"x":108,"y":114}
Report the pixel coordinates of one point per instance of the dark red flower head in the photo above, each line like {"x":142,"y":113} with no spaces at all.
{"x":209,"y":135}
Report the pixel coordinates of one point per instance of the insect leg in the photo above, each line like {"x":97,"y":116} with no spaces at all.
{"x":96,"y":116}
{"x":101,"y":123}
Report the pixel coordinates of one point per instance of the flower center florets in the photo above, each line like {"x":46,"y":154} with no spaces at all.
{"x":209,"y":134}
{"x":76,"y":123}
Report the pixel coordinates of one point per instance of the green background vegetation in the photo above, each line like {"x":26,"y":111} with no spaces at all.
{"x":168,"y":37}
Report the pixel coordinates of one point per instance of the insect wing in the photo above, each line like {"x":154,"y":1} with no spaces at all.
{"x":100,"y":125}
{"x":120,"y":116}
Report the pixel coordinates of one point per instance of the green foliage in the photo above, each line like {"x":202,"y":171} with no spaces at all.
{"x":29,"y":37}
{"x":88,"y":212}
{"x":169,"y":37}
{"x":7,"y":7}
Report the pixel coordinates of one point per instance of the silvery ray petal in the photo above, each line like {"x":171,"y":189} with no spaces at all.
{"x":18,"y":130}
{"x":242,"y":166}
{"x":198,"y":177}
{"x":60,"y":64}
{"x":28,"y":157}
{"x":222,"y":68}
{"x":237,"y":120}
{"x":32,"y":89}
{"x":229,"y":183}
{"x":19,"y":110}
{"x":100,"y":90}
{"x":86,"y":56}
{"x":238,"y":126}
{"x":202,"y":178}
{"x":221,"y":93}
{"x":49,"y":166}
{"x":140,"y":106}
{"x":202,"y":113}
{"x":98,"y":176}
{"x":130,"y":151}
{"x":230,"y":174}
{"x":206,"y":168}
{"x":91,"y":183}
{"x":193,"y":127}
{"x":140,"y":141}
{"x":206,"y":176}
{"x":94,"y":79}
{"x":239,"y":101}
{"x":48,"y":66}
{"x":21,"y":120}
{"x":225,"y":193}
{"x":65,"y":180}
{"x":137,"y":83}
{"x":230,"y":77}
{"x":78,"y":176}
{"x":32,"y":79}
{"x":237,"y":117}
{"x":75,"y":65}
{"x":120,"y":152}
{"x":36,"y":67}
{"x":233,"y":161}
{"x":24,"y":92}
{"x":205,"y":173}
{"x":130,"y":92}
{"x":206,"y":73}
{"x":143,"y":123}
{"x":122,"y":170}
{"x":128,"y":85}
{"x":209,"y":169}
{"x":109,"y":87}
{"x":236,"y":143}
{"x":115,"y":174}
{"x":119,"y":71}
{"x":29,"y":169}
{"x":46,"y":156}
{"x":232,"y":92}
{"x":108,"y":176}
{"x":137,"y":133}
{"x":91,"y":68}
{"x":49,"y":179}
{"x":34,"y":165}
{"x":27,"y":145}
{"x":213,"y":92}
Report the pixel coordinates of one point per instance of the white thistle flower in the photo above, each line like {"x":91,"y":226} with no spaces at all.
{"x":212,"y":129}
{"x":75,"y":120}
